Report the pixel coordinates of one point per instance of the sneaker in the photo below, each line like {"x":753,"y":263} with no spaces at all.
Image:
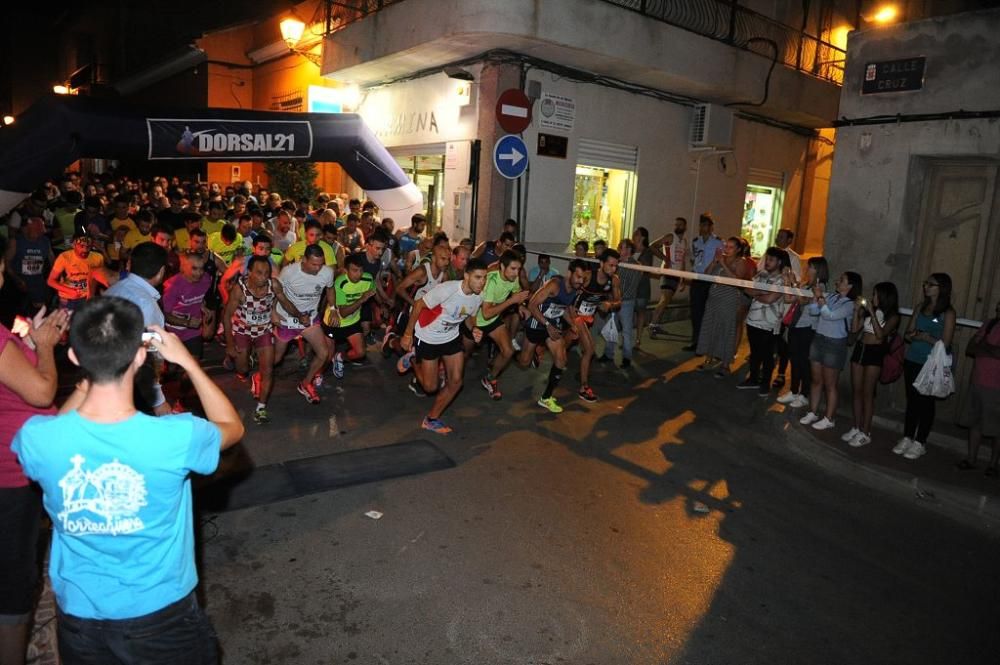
{"x":850,"y":434}
{"x":358,"y":362}
{"x":260,"y":417}
{"x":822,"y":424}
{"x":416,"y":388}
{"x":550,"y":404}
{"x":587,"y":394}
{"x":861,"y":439}
{"x":721,"y":373}
{"x":626,"y":363}
{"x":318,"y":381}
{"x":800,"y":402}
{"x":809,"y":418}
{"x":763,"y":391}
{"x":387,"y":344}
{"x":516,"y":344}
{"x":492,"y":387}
{"x":603,"y":359}
{"x":903,"y":445}
{"x":779,"y":382}
{"x":749,"y":384}
{"x":309,"y":392}
{"x":405,"y":362}
{"x":787,"y":398}
{"x":435,"y":425}
{"x":915,"y":450}
{"x":255,"y":385}
{"x":338,"y":365}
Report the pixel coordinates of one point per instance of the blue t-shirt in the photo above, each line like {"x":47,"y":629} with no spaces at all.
{"x":119,"y":496}
{"x":533,"y":274}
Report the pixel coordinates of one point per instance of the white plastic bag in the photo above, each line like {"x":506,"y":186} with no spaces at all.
{"x":935,"y":378}
{"x":610,"y":330}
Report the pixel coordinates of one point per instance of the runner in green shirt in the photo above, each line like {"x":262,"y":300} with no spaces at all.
{"x":502,"y":290}
{"x":342,"y":318}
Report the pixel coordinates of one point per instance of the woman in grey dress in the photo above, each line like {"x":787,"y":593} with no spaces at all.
{"x":717,"y":339}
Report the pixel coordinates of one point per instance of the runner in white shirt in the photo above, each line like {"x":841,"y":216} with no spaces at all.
{"x":434,"y":323}
{"x":304,"y":284}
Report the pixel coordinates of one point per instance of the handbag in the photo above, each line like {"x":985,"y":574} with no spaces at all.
{"x":892,"y":364}
{"x":935,"y":378}
{"x":792,"y":316}
{"x":610,"y":330}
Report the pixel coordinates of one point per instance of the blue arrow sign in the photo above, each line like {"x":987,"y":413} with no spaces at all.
{"x":510,"y":156}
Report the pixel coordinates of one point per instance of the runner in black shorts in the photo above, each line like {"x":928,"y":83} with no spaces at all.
{"x":553,"y":313}
{"x":601,"y":292}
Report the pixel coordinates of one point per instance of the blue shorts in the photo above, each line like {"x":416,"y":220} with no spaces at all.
{"x":829,"y":352}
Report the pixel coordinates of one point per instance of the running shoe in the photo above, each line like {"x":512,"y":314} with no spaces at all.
{"x":550,"y":404}
{"x":260,"y":416}
{"x":416,"y":388}
{"x":338,"y":365}
{"x":255,"y":385}
{"x":749,"y":384}
{"x":587,"y":394}
{"x":626,"y":363}
{"x":435,"y":425}
{"x":492,"y":387}
{"x":309,"y":392}
{"x":405,"y":362}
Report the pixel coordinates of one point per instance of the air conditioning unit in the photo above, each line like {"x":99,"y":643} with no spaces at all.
{"x":711,"y":126}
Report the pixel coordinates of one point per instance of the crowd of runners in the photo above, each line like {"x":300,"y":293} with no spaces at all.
{"x":328,"y":278}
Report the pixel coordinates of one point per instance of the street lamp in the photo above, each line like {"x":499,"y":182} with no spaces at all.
{"x":292,"y":30}
{"x":60,"y":89}
{"x":8,"y":120}
{"x":885,"y":14}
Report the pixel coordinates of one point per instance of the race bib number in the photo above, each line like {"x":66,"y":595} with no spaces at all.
{"x":587,"y":308}
{"x":32,"y":266}
{"x":555,"y":312}
{"x":257,"y":318}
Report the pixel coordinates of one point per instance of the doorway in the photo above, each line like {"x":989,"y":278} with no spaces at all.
{"x":957,"y":233}
{"x":603,"y":205}
{"x":427,"y":173}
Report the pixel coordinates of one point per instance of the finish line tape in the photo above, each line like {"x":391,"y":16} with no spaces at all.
{"x":727,"y":281}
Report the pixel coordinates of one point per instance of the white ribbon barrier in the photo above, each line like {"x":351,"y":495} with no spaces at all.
{"x":728,"y":281}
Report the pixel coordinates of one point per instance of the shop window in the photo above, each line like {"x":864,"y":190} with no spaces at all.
{"x":427,"y":173}
{"x":761,"y":217}
{"x":603,"y":205}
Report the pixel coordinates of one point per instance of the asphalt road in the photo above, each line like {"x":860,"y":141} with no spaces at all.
{"x":667,"y":523}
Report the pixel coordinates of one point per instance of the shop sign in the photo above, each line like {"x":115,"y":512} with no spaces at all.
{"x":550,"y":145}
{"x":894,"y":76}
{"x":557,"y":112}
{"x":245,"y":140}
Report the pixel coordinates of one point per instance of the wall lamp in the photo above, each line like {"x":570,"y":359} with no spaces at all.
{"x":292,"y":30}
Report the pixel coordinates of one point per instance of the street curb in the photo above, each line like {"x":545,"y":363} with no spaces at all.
{"x":981,"y":511}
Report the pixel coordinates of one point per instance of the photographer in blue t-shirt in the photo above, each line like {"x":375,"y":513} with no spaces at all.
{"x":116,"y":484}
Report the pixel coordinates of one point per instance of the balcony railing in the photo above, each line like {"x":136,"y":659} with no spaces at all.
{"x":722,"y":20}
{"x":728,"y":22}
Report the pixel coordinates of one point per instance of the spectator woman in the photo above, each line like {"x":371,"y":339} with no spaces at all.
{"x":764,"y":320}
{"x":982,"y":412}
{"x":717,"y":339}
{"x":933,"y":320}
{"x":828,"y":352}
{"x":27,"y":387}
{"x":800,"y":335}
{"x":875,"y":320}
{"x":644,"y":255}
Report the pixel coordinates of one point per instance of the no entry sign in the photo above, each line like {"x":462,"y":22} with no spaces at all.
{"x":514,"y":111}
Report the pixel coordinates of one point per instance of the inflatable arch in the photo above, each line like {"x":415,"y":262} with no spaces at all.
{"x":58,"y":130}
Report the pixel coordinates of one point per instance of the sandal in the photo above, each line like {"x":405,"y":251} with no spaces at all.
{"x":991,"y":472}
{"x":965,"y":465}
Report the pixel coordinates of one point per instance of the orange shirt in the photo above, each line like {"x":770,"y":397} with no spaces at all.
{"x":76,"y":271}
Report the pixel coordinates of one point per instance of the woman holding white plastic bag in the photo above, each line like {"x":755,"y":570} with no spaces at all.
{"x":933,"y":320}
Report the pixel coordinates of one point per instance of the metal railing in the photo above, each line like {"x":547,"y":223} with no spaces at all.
{"x":722,"y":20}
{"x":728,"y":22}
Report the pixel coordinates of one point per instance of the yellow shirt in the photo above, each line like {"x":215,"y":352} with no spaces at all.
{"x":133,"y":238}
{"x":226,"y":252}
{"x":297,"y":250}
{"x":210,"y":227}
{"x":76,"y":271}
{"x":127,"y":223}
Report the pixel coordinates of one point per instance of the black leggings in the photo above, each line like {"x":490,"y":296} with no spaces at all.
{"x":762,"y":347}
{"x":799,"y":341}
{"x":919,"y":408}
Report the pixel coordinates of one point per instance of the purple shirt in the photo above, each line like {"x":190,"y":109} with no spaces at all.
{"x":182,"y":298}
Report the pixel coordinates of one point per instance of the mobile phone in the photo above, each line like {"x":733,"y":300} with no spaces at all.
{"x":22,"y":326}
{"x":148,"y":337}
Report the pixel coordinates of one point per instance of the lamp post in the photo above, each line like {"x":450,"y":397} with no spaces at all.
{"x":292,"y":30}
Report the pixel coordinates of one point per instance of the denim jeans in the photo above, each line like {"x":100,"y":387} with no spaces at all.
{"x":179,"y":634}
{"x":626,"y":323}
